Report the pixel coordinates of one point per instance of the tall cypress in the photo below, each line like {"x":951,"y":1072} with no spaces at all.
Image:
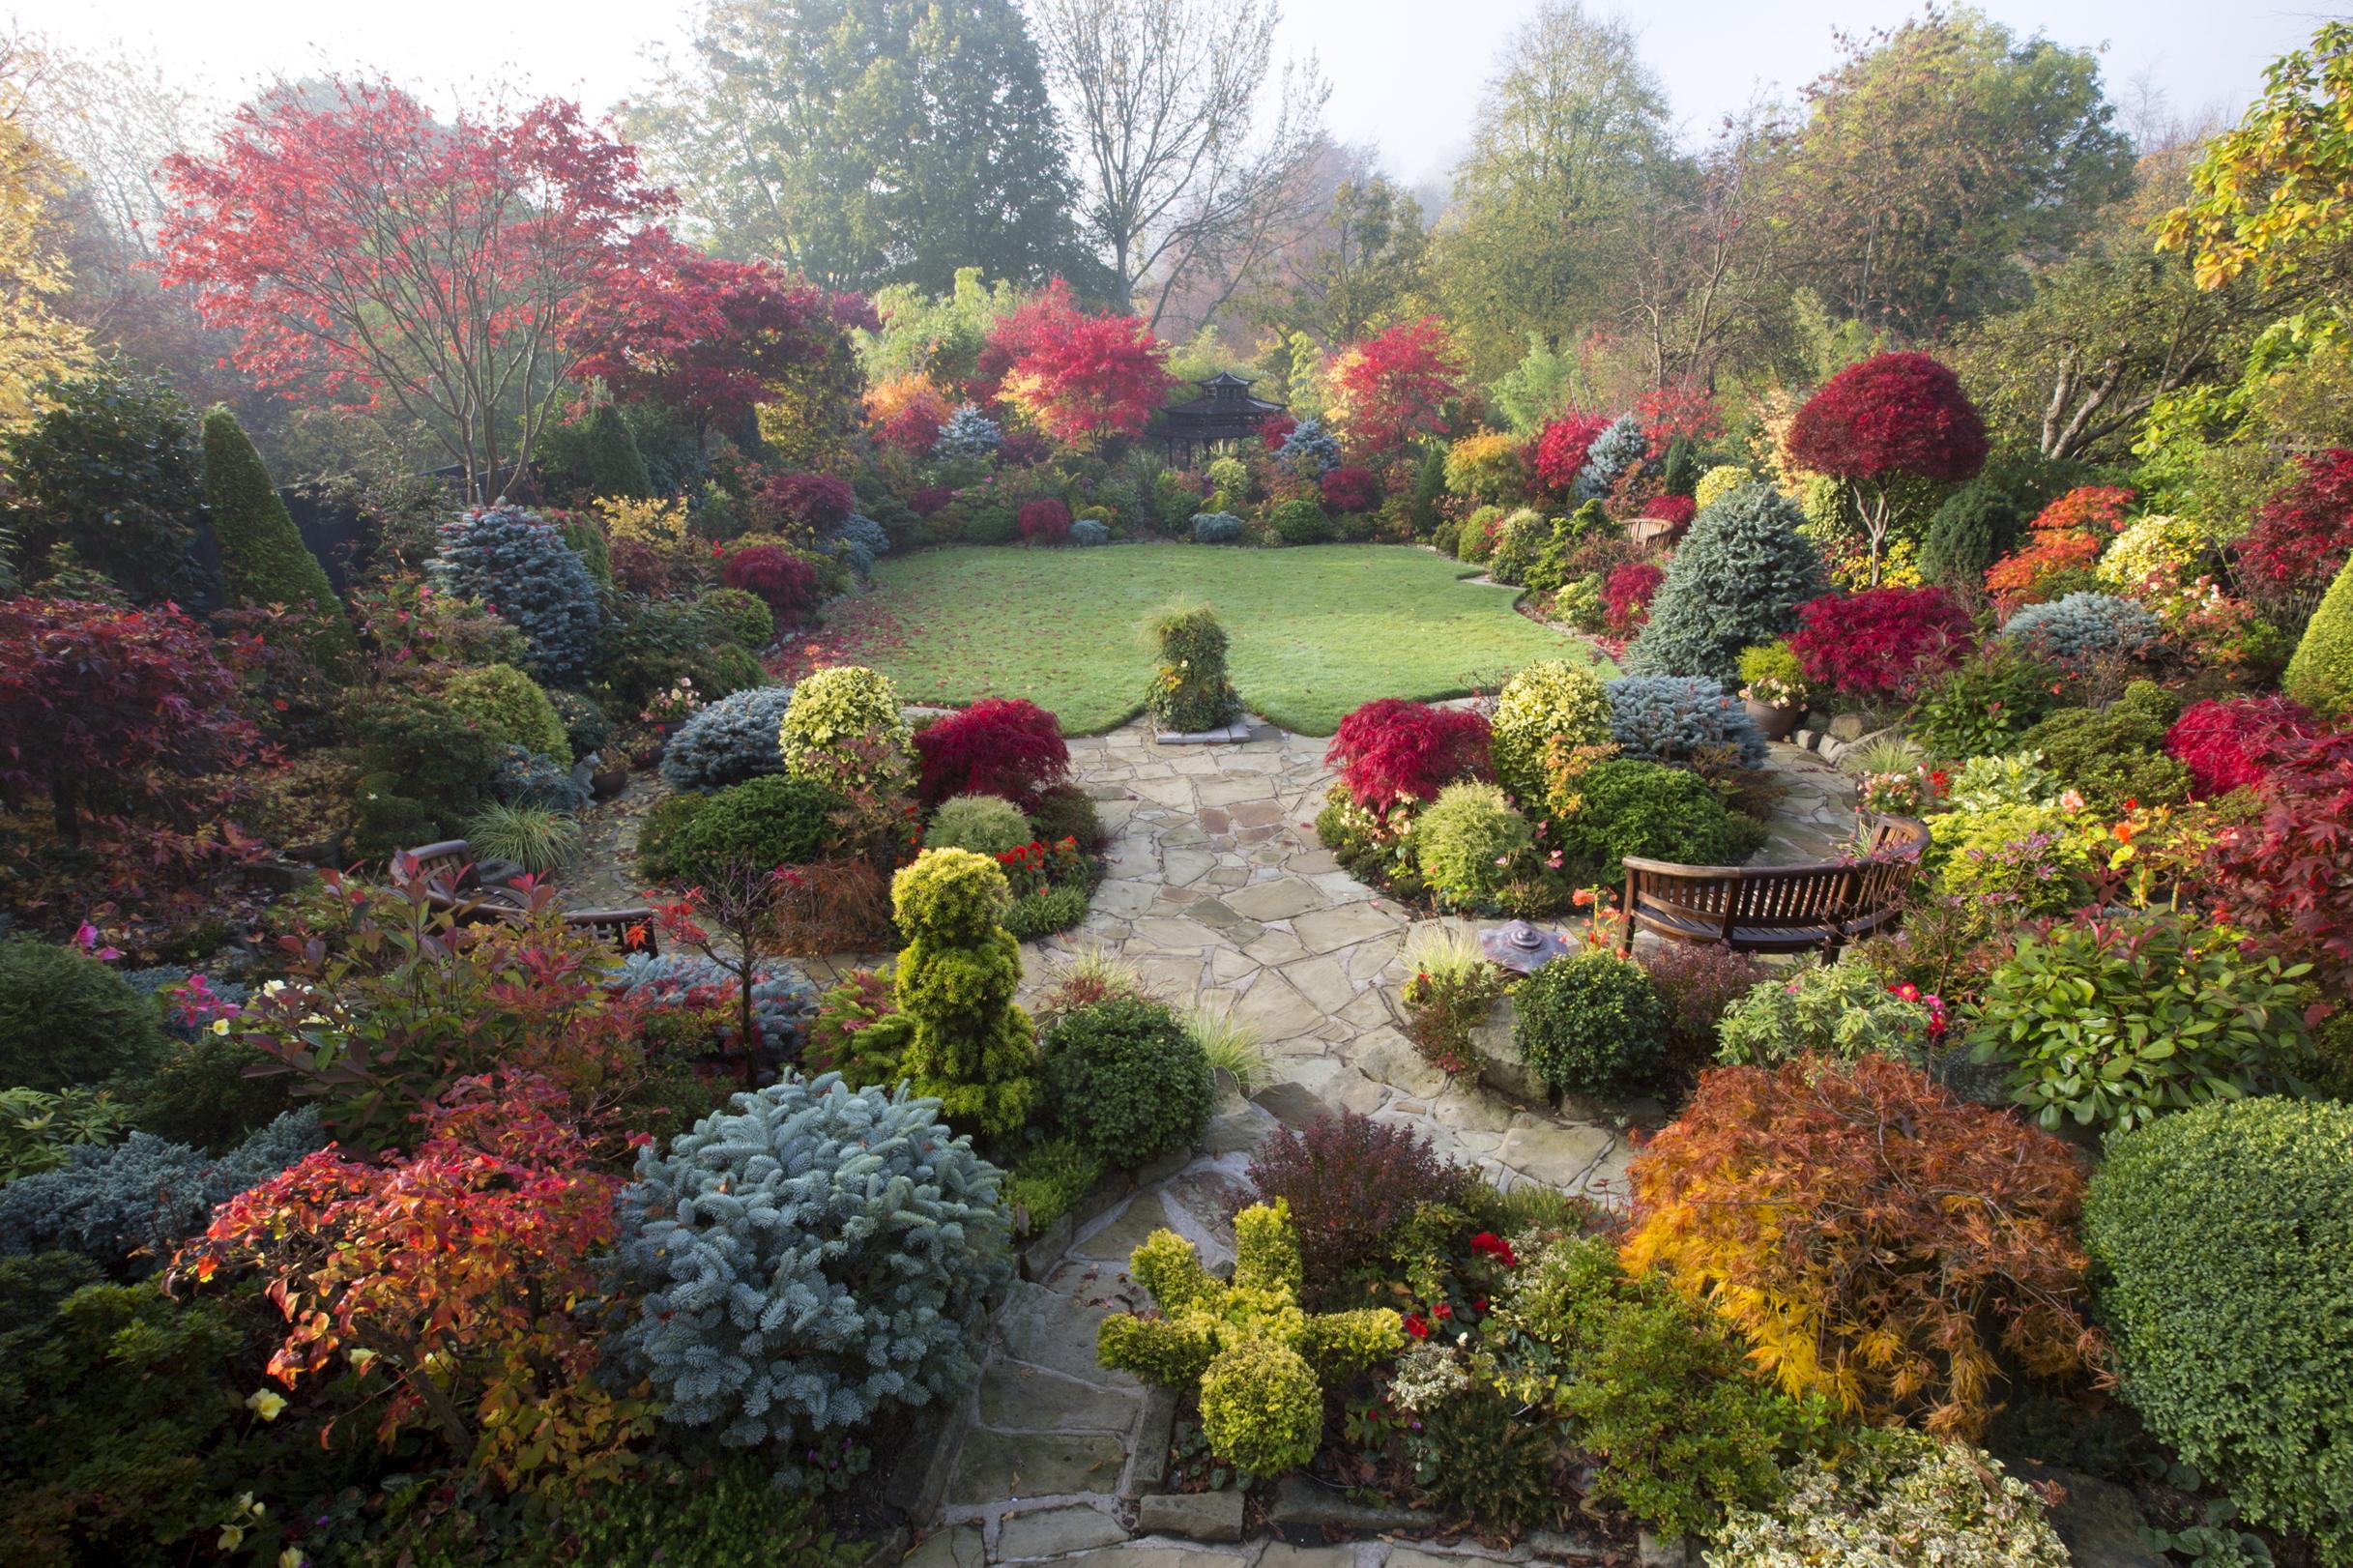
{"x":263,"y":559}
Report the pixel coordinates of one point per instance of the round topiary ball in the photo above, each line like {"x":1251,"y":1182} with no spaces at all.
{"x":984,"y":824}
{"x":742,"y":618}
{"x":1260,"y":1406}
{"x":1130,"y":1082}
{"x":1593,"y":1024}
{"x":1468,"y":842}
{"x":835,"y":712}
{"x":1549,"y":700}
{"x":512,"y":706}
{"x":2224,"y":1234}
{"x":804,"y":1262}
{"x":949,"y":895}
{"x":66,"y":1018}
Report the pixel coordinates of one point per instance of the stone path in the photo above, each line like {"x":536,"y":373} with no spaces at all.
{"x":1218,"y":893}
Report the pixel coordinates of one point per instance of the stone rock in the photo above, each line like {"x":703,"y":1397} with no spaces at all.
{"x":1557,"y":1156}
{"x":1849,"y":727}
{"x":1024,"y":1398}
{"x":1291,"y":1104}
{"x":1278,"y":900}
{"x":1322,"y":930}
{"x":1043,"y":1326}
{"x":1126,"y":1233}
{"x":1303,"y":1504}
{"x":1554,"y":1546}
{"x":1161,"y":1556}
{"x":1052,"y":1532}
{"x":2098,"y":1520}
{"x":1149,"y":1469}
{"x":1236,"y":1132}
{"x":997,"y":1465}
{"x":1197,"y":1516}
{"x":1389,"y":1057}
{"x":1281,"y":1553}
{"x":957,"y":1548}
{"x":1502,"y":1065}
{"x":1652,"y":1552}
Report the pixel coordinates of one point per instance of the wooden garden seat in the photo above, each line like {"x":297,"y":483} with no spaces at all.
{"x":1778,"y":909}
{"x":443,"y":865}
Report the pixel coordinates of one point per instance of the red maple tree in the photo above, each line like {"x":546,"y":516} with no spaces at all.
{"x":1883,"y":419}
{"x":1080,"y":379}
{"x":363,"y":250}
{"x":1395,"y":385}
{"x":1562,"y":447}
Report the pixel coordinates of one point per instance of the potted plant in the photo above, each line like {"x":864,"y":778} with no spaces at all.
{"x":1773,"y":687}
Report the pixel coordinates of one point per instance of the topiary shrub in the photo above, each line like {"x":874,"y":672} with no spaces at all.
{"x":804,"y":1262}
{"x":2320,"y":675}
{"x":594,"y":456}
{"x":986,"y":824}
{"x":2226,"y":742}
{"x":1736,"y":581}
{"x":66,"y":1018}
{"x":1216,"y":527}
{"x":837,"y":713}
{"x":516,"y":563}
{"x":1592,"y":1023}
{"x":1837,"y":1011}
{"x":740,"y":616}
{"x":1548,"y":701}
{"x":1875,"y":1240}
{"x":1129,"y":1082}
{"x":728,"y":741}
{"x":1391,"y":749}
{"x":143,"y":1196}
{"x":1299,"y":522}
{"x":2082,"y":627}
{"x":1190,"y":693}
{"x":1008,"y":746}
{"x":1972,"y":528}
{"x":1624,"y":806}
{"x":2225,"y":1241}
{"x":263,"y":559}
{"x":770,"y":822}
{"x":1468,"y":843}
{"x":1260,"y":1363}
{"x":512,"y":706}
{"x":1899,"y":1498}
{"x":957,"y":1034}
{"x":1881,"y":643}
{"x":1674,"y":719}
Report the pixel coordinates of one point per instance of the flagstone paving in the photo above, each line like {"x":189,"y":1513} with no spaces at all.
{"x":1217,"y":892}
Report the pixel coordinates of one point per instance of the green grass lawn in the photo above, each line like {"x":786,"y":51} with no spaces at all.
{"x":1316,"y":631}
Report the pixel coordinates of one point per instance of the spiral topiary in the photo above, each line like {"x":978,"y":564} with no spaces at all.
{"x":1191,"y":694}
{"x":517,"y":563}
{"x":806,"y":1261}
{"x":1550,"y":700}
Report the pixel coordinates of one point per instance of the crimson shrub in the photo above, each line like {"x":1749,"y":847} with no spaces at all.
{"x":1045,"y":522}
{"x":1393,"y":749}
{"x":1351,"y":1183}
{"x":788,"y":583}
{"x":1006,"y":746}
{"x":2226,"y":742}
{"x":1880,"y":642}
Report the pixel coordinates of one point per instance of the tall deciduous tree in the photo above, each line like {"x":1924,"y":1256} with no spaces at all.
{"x":38,"y":342}
{"x":1571,"y":141}
{"x":1081,"y":379}
{"x":1358,"y":269}
{"x":1890,"y":418}
{"x":868,"y":142}
{"x":1177,"y":166}
{"x":364,"y":252}
{"x":1938,"y":156}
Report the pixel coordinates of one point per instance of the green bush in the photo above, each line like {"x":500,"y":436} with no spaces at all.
{"x":1469,"y":842}
{"x":1127,"y":1080}
{"x":1623,"y":806}
{"x":1036,"y":916}
{"x":65,"y":1019}
{"x":200,"y":1092}
{"x":1974,"y":527}
{"x":1547,"y":701}
{"x":263,"y":559}
{"x":1299,"y":522}
{"x":1736,"y":581}
{"x":984,"y":824}
{"x":592,"y":457}
{"x":536,"y":839}
{"x":1519,"y":540}
{"x":1067,"y":811}
{"x":1190,"y":693}
{"x":2224,"y":1237}
{"x":1592,"y":1023}
{"x":742,"y":618}
{"x":1842,"y":1010}
{"x":836,"y":709}
{"x":1049,"y":1181}
{"x":511,"y":706}
{"x":1983,"y":704}
{"x":657,"y":835}
{"x":2115,"y":1023}
{"x":2114,"y":754}
{"x":110,"y":470}
{"x":2012,"y":861}
{"x":770,"y":821}
{"x":1902,"y":1499}
{"x":1475,"y":540}
{"x":2320,"y":675}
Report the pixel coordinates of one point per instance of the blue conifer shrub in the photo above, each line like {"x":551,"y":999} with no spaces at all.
{"x":967,"y":433}
{"x":731,"y":741}
{"x":515,"y":562}
{"x":1668,"y":718}
{"x":1617,"y":448}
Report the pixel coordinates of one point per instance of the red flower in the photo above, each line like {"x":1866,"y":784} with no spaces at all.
{"x":1416,"y":1326}
{"x":1442,"y":1311}
{"x":1495,"y":1247}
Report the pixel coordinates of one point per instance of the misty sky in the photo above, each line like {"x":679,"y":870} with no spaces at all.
{"x":1406,"y":73}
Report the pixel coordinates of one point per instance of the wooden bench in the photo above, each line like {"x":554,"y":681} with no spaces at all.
{"x":1778,"y":909}
{"x":443,"y":867}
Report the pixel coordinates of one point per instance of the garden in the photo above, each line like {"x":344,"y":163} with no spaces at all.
{"x":684,"y":916}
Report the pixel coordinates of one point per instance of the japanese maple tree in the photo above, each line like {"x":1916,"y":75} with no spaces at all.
{"x":1395,"y":385}
{"x":363,"y":250}
{"x":1561,"y":448}
{"x":1882,"y":421}
{"x":1392,"y":749}
{"x":2281,"y":878}
{"x":1080,"y":379}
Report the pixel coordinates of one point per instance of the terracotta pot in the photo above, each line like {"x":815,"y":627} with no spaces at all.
{"x":1777,"y":723}
{"x":608,"y":782}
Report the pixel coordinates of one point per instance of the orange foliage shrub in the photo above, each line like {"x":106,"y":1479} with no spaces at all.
{"x":1867,"y":1232}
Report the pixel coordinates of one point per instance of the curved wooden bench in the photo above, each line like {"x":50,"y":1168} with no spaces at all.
{"x":1778,"y":909}
{"x":442,"y":866}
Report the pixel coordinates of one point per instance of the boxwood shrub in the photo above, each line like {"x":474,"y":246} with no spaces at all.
{"x":1592,"y":1023}
{"x":1128,"y":1080}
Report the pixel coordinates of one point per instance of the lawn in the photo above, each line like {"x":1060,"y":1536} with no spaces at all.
{"x":1316,"y":631}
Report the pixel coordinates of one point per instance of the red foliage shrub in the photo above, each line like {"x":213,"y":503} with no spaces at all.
{"x":1024,"y":449}
{"x":999,"y":745}
{"x":2033,"y":571}
{"x":642,"y":569}
{"x":803,"y":503}
{"x":1392,"y":749}
{"x":787,"y":582}
{"x":1079,"y":378}
{"x":1350,"y":488}
{"x":1880,"y":642}
{"x":1698,"y":983}
{"x":930,"y":499}
{"x":1874,"y":1237}
{"x":1626,"y":594}
{"x":1275,"y":431}
{"x":1675,"y":510}
{"x":913,"y":429}
{"x":1395,"y":385}
{"x":1560,"y":450}
{"x":113,"y":709}
{"x":2227,"y":743}
{"x":1888,"y":414}
{"x":1685,"y":413}
{"x":2095,"y":508}
{"x":2304,"y":532}
{"x":1045,"y":522}
{"x":2282,"y":877}
{"x":1352,"y":1182}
